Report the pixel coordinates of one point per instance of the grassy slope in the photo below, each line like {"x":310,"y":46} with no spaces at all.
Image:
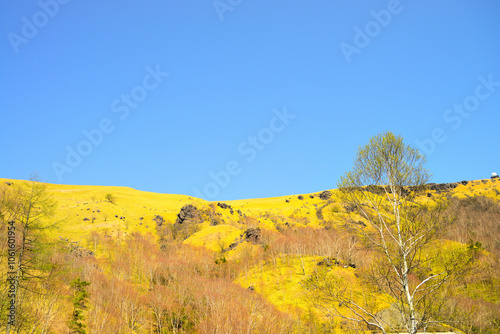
{"x":74,"y":203}
{"x":279,"y":283}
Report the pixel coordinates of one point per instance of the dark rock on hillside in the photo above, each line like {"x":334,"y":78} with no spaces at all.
{"x":159,"y":220}
{"x":325,"y":195}
{"x":439,"y":187}
{"x":233,"y":245}
{"x":359,"y":222}
{"x":8,"y":183}
{"x":300,"y":197}
{"x":252,"y":235}
{"x":224,"y":205}
{"x":350,"y":208}
{"x":379,"y":190}
{"x":239,"y":212}
{"x":319,"y":211}
{"x":187,"y":212}
{"x":328,"y":262}
{"x":76,"y":250}
{"x":81,"y":252}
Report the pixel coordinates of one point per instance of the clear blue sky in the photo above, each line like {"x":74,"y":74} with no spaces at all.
{"x":183,"y":96}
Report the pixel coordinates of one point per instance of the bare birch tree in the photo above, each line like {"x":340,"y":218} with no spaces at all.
{"x":382,"y":188}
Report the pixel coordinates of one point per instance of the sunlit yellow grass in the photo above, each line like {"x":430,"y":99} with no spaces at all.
{"x":280,"y":283}
{"x":294,"y":210}
{"x":215,"y":238}
{"x":78,"y":202}
{"x":74,"y":203}
{"x":485,"y":187}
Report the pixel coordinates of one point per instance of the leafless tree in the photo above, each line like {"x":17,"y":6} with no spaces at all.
{"x":384,"y":188}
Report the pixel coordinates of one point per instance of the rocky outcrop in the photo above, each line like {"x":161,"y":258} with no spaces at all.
{"x":440,"y":187}
{"x":325,"y":195}
{"x":252,"y":235}
{"x":319,"y":211}
{"x":224,"y":205}
{"x":76,"y":250}
{"x":187,"y":212}
{"x":159,"y":221}
{"x":330,"y":262}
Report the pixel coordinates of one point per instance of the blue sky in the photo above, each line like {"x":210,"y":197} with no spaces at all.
{"x":239,"y":99}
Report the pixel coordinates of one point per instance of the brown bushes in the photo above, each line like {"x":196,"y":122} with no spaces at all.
{"x":322,"y":242}
{"x":178,"y":290}
{"x":477,"y":220}
{"x":475,"y":316}
{"x":218,"y":302}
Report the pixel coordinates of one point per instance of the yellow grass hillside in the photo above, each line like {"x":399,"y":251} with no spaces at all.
{"x":81,"y":209}
{"x":173,"y":261}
